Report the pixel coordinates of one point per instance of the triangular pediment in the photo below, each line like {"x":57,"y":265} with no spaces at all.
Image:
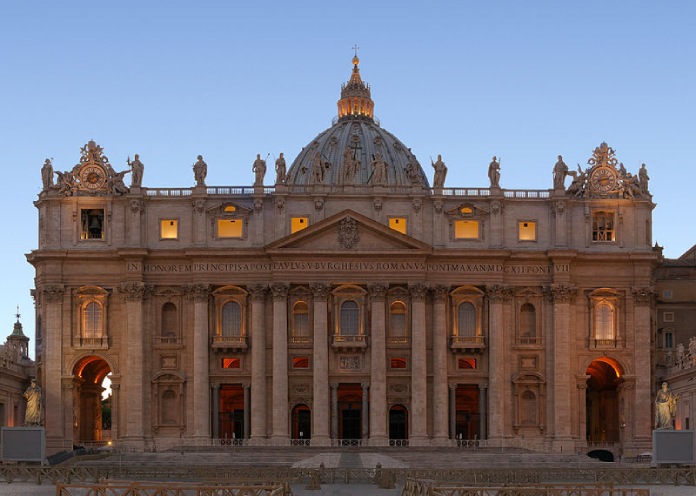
{"x":347,"y":232}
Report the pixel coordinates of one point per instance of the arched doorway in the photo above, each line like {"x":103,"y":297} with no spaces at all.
{"x":602,"y":401}
{"x":398,"y":423}
{"x":88,"y":422}
{"x":301,"y":423}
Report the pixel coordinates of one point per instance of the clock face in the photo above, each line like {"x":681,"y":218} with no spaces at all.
{"x":603,"y":180}
{"x":92,"y":177}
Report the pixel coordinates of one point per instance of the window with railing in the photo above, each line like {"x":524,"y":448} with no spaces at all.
{"x":527,"y":325}
{"x":349,"y":318}
{"x":300,"y":324}
{"x":397,"y":323}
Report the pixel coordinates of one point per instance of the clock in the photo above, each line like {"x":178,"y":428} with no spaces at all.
{"x":603,"y":179}
{"x":92,"y":177}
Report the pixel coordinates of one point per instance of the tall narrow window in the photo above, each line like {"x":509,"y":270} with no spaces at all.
{"x":92,"y":224}
{"x":669,"y":341}
{"x":397,"y":317}
{"x":92,"y":327}
{"x":529,"y":408}
{"x":604,"y":321}
{"x":603,"y":227}
{"x":231,"y":319}
{"x":169,"y":407}
{"x":300,"y":318}
{"x":349,"y":318}
{"x":169,"y":320}
{"x":527,"y":323}
{"x":466,"y":320}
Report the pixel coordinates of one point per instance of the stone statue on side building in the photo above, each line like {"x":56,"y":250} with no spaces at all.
{"x":47,"y":175}
{"x":137,"y":169}
{"x":643,"y":179}
{"x":200,"y":170}
{"x":259,"y":170}
{"x":280,"y":168}
{"x":665,"y":407}
{"x":440,"y":172}
{"x":560,"y":171}
{"x":494,"y":173}
{"x":33,"y":397}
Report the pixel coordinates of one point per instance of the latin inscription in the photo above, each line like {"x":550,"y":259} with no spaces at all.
{"x":367,"y":266}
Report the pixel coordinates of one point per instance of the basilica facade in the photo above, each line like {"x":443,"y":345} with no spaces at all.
{"x":349,"y":302}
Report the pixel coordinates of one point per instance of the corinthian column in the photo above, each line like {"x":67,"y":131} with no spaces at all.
{"x":642,"y":407}
{"x":419,"y":368}
{"x":133,"y":293}
{"x":440,"y":414}
{"x":320,"y":401}
{"x":258,"y":364}
{"x":52,"y":298}
{"x":280,"y":361}
{"x":496,"y":361}
{"x":378,"y":367}
{"x":200,"y":293}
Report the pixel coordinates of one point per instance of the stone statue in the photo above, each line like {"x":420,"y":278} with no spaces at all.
{"x":318,"y":168}
{"x":200,"y":170}
{"x":494,"y":173}
{"x":47,"y":174}
{"x":622,"y":170}
{"x":665,"y":407}
{"x":33,"y":397}
{"x":643,"y":179}
{"x":259,"y":169}
{"x":630,"y":186}
{"x":560,"y":171}
{"x":280,"y":169}
{"x":413,"y":173}
{"x":379,"y":171}
{"x":440,"y":172}
{"x":577,"y":187}
{"x":137,"y":169}
{"x":680,"y":354}
{"x":692,"y":350}
{"x":350,"y":165}
{"x":116,"y":184}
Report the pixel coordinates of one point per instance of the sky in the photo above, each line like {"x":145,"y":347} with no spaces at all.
{"x":169,"y":80}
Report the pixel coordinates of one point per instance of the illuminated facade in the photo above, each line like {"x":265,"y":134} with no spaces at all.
{"x":350,"y":302}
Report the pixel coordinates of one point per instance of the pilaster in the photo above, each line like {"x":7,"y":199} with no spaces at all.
{"x":280,"y":361}
{"x":320,"y":404}
{"x":419,"y":368}
{"x":258,"y":363}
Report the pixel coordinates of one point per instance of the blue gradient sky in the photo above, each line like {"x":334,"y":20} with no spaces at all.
{"x":169,"y":80}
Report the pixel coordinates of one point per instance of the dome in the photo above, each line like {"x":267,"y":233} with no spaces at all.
{"x":356,"y":151}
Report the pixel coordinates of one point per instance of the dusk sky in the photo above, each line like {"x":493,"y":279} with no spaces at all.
{"x":169,"y":80}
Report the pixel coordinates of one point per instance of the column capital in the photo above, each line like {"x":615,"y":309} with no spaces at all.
{"x":135,"y":291}
{"x":365,"y":385}
{"x":258,"y":291}
{"x":279,"y":290}
{"x":334,"y":385}
{"x":320,"y":290}
{"x":377,"y":290}
{"x":499,"y":293}
{"x":197,"y":292}
{"x":418,"y":290}
{"x":53,"y":293}
{"x":560,"y":293}
{"x":642,"y":296}
{"x":440,"y":292}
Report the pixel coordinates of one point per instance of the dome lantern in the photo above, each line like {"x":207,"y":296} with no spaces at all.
{"x":356,"y":101}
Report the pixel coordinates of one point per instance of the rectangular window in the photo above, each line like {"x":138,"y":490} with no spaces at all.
{"x":169,"y":229}
{"x":398,"y":363}
{"x":298,"y":223}
{"x":92,"y":223}
{"x":300,"y":362}
{"x":669,"y":340}
{"x":667,"y":316}
{"x":231,"y":363}
{"x":603,"y":227}
{"x":398,"y":224}
{"x":526,"y":230}
{"x":230,"y":228}
{"x":466,"y":229}
{"x":466,"y":363}
{"x":667,"y":294}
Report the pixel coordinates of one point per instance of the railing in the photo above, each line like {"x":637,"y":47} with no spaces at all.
{"x":398,"y":340}
{"x":169,"y":192}
{"x":466,"y":191}
{"x":300,"y":340}
{"x":604,"y":343}
{"x":171,"y":489}
{"x":231,"y":342}
{"x":101,"y":343}
{"x":167,"y":340}
{"x":349,"y":341}
{"x":526,"y":341}
{"x":527,"y":193}
{"x":415,"y":487}
{"x":467,"y":341}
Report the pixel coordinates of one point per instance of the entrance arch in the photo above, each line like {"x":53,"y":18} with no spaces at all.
{"x":88,"y":376}
{"x":301,"y":422}
{"x":398,"y":423}
{"x":602,"y":401}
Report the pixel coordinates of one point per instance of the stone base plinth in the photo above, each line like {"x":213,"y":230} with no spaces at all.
{"x":23,"y":444}
{"x":671,"y":446}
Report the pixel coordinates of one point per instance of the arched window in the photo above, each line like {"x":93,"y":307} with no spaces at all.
{"x":231,"y":319}
{"x":92,"y":325}
{"x":170,"y":325}
{"x":604,"y":320}
{"x":466,"y":319}
{"x":349,"y":318}
{"x":528,"y":408}
{"x":527,"y":322}
{"x":300,"y":319}
{"x":397,"y":317}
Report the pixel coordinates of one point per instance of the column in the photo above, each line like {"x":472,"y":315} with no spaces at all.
{"x":258,"y":364}
{"x":52,"y":298}
{"x":452,"y":411}
{"x":247,"y":410}
{"x":320,"y":398}
{"x":378,"y":367}
{"x":496,"y":360}
{"x":642,"y":406}
{"x":365,"y":407}
{"x":115,"y":409}
{"x":280,"y":362}
{"x":133,"y":294}
{"x":581,"y":384}
{"x":560,"y":224}
{"x":419,"y":369}
{"x":334,"y":411}
{"x":440,"y":414}
{"x":216,"y":411}
{"x":483,"y":411}
{"x":199,"y":293}
{"x":562,"y":295}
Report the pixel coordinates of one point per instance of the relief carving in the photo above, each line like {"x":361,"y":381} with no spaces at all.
{"x":377,"y":290}
{"x":560,"y":293}
{"x":418,"y":291}
{"x":499,"y":293}
{"x":198,"y":206}
{"x":258,"y":292}
{"x":348,"y":235}
{"x":53,"y":293}
{"x":135,"y":291}
{"x":197,"y":292}
{"x":440,"y":292}
{"x":320,"y":290}
{"x":642,"y":296}
{"x":349,"y":362}
{"x":279,"y":290}
{"x":417,"y":204}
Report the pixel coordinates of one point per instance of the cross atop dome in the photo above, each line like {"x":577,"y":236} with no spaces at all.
{"x":356,"y":101}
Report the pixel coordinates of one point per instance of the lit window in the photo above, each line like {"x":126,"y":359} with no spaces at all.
{"x":604,"y":321}
{"x":667,"y":316}
{"x":230,"y":209}
{"x":466,"y":229}
{"x":92,"y":324}
{"x":92,"y":224}
{"x":231,"y":319}
{"x":398,"y":224}
{"x":298,"y":223}
{"x":398,"y":363}
{"x":169,"y":229}
{"x":349,"y":318}
{"x":466,"y":320}
{"x":466,"y":363}
{"x":231,"y":363}
{"x":466,"y":210}
{"x":230,"y":228}
{"x":300,"y":362}
{"x":397,"y":317}
{"x":526,"y":231}
{"x":603,"y":227}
